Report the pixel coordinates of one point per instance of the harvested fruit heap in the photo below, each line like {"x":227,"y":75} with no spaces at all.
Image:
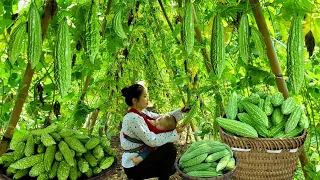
{"x":207,"y":158}
{"x":260,"y":115}
{"x":54,"y":152}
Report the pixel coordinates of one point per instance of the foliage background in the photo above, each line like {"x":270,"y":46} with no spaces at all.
{"x":153,"y":55}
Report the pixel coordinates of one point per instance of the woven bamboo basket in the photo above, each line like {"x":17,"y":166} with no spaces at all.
{"x":264,"y":158}
{"x":184,"y":176}
{"x":101,"y":176}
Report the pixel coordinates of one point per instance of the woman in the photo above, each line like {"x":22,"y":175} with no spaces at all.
{"x":135,"y":135}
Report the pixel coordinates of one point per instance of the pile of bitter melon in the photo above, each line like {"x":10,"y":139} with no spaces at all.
{"x":54,"y":152}
{"x":260,"y":115}
{"x":207,"y":158}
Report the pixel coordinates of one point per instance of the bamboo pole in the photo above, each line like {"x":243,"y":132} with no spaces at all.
{"x":271,"y":53}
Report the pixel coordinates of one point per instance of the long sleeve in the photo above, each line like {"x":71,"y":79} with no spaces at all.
{"x":138,"y":126}
{"x":178,"y":114}
{"x":151,"y":114}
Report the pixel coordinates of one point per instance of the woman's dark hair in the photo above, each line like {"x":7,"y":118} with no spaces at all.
{"x":134,"y":91}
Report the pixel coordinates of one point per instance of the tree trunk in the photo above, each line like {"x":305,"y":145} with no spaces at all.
{"x":273,"y":59}
{"x":49,"y":12}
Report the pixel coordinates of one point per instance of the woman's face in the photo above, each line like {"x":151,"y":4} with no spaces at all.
{"x":143,"y":101}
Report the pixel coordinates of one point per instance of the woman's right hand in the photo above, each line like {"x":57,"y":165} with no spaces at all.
{"x":181,"y":128}
{"x":186,"y":109}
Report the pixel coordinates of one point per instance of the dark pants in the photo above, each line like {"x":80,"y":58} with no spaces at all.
{"x":159,"y":163}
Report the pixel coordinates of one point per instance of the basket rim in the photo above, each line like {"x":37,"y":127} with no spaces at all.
{"x":303,"y":135}
{"x":182,"y":174}
{"x":263,"y":144}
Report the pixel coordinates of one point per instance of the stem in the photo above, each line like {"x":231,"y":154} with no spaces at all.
{"x":49,"y":12}
{"x":93,"y":120}
{"x":188,"y":134}
{"x":2,"y":94}
{"x":200,"y":39}
{"x":304,"y":160}
{"x":100,"y":131}
{"x":309,"y":98}
{"x":180,"y":19}
{"x":168,"y":21}
{"x":104,"y":22}
{"x":85,"y":87}
{"x":47,"y":73}
{"x":193,"y":130}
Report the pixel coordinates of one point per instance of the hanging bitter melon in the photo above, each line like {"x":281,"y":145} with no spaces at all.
{"x":217,"y":46}
{"x":188,"y":27}
{"x":295,"y":54}
{"x":34,"y":36}
{"x":62,"y":60}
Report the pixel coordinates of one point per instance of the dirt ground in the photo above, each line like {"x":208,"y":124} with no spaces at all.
{"x":118,"y":173}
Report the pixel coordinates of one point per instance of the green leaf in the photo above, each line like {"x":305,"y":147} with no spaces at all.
{"x":257,"y":75}
{"x":5,"y":22}
{"x":64,"y":3}
{"x":1,"y":9}
{"x":39,"y":3}
{"x":176,"y":30}
{"x":315,"y":28}
{"x":67,"y":98}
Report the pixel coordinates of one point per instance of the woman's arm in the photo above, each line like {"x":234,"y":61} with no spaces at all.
{"x":140,"y":129}
{"x":151,"y":114}
{"x":178,"y":114}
